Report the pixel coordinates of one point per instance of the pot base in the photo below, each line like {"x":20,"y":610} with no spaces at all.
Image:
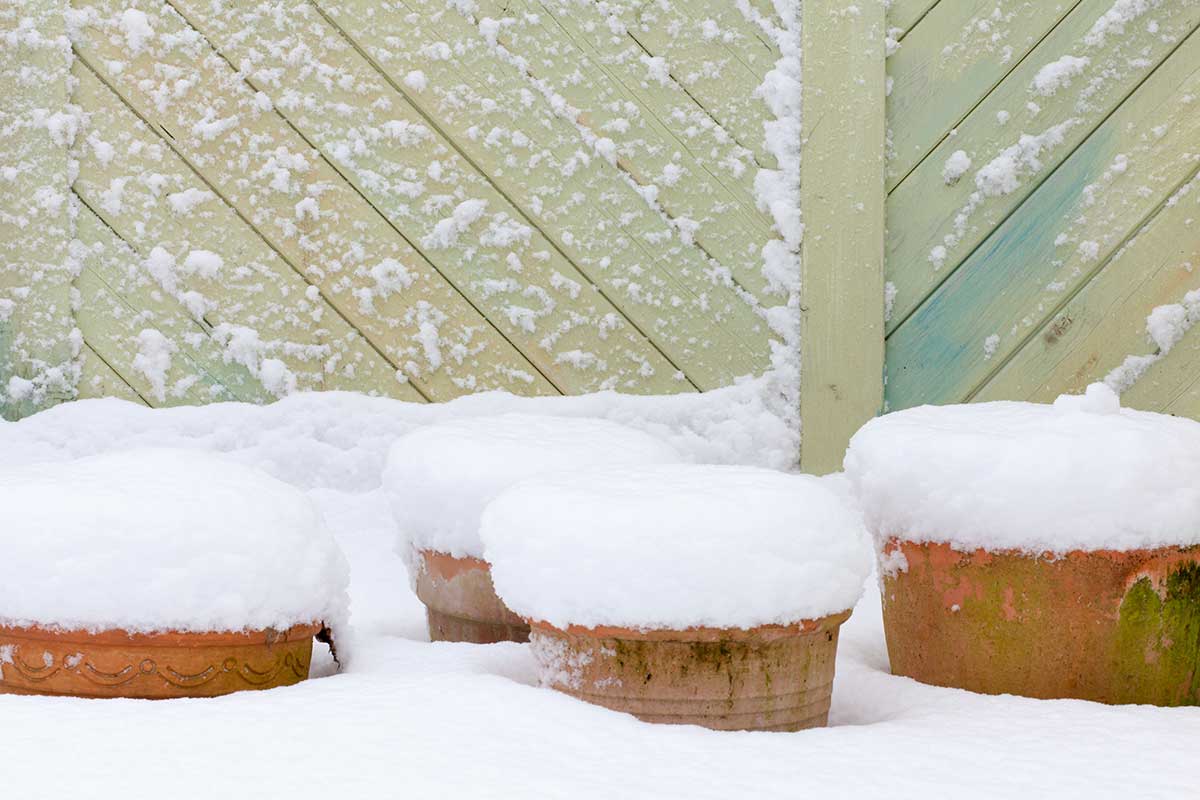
{"x":772,"y":678}
{"x":1108,"y":626}
{"x":460,"y":602}
{"x":155,"y":666}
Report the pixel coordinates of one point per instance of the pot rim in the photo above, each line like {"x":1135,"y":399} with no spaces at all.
{"x":893,"y":543}
{"x":170,"y":638}
{"x":760,"y":633}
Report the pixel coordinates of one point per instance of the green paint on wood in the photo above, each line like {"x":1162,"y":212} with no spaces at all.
{"x":38,"y":355}
{"x":498,"y":118}
{"x":1058,"y":239}
{"x":1041,"y":130}
{"x":303,"y":207}
{"x":842,"y":197}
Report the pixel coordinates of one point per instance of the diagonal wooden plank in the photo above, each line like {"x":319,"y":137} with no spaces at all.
{"x":696,"y":57}
{"x":97,"y":379}
{"x":148,"y":339}
{"x":262,"y":167}
{"x":623,"y":60}
{"x":136,"y":184}
{"x":933,"y":224}
{"x":1187,"y":404}
{"x":952,"y":60}
{"x":1061,"y":236}
{"x":500,"y":121}
{"x":113,"y":272}
{"x":904,"y":15}
{"x":1095,"y":330}
{"x":38,"y":354}
{"x":725,"y":224}
{"x":452,"y":213}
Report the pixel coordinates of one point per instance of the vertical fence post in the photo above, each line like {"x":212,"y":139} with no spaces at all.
{"x":37,"y":350}
{"x":842,"y":200}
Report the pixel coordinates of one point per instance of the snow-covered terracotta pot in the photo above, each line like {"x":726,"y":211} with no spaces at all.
{"x":768,"y":678}
{"x":1115,"y":627}
{"x":683,"y":593}
{"x":461,"y":603}
{"x":151,"y":666}
{"x":1051,"y":551}
{"x":160,"y":573}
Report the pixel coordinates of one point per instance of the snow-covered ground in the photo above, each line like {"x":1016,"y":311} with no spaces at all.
{"x":406,"y":718}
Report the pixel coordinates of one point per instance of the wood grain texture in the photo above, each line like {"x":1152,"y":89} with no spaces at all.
{"x":1041,"y":129}
{"x":38,"y":354}
{"x":97,"y":379}
{"x":1106,"y":322}
{"x":1058,"y":239}
{"x":950,"y":61}
{"x":150,"y":340}
{"x":134,"y":182}
{"x":596,"y":215}
{"x":441,"y":203}
{"x":271,"y":175}
{"x":903,"y":15}
{"x":842,"y":192}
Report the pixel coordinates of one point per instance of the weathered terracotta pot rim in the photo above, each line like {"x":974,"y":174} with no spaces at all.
{"x":450,"y":565}
{"x":1045,"y":555}
{"x":118,"y":636}
{"x":759,"y":633}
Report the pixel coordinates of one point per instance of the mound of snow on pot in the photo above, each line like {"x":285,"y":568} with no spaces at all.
{"x":1081,"y":474}
{"x":159,"y":539}
{"x":675,"y":546}
{"x":439,"y":478}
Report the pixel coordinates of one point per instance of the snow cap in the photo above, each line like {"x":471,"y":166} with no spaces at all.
{"x":157,"y":540}
{"x":440,"y":477}
{"x":1081,"y":474}
{"x":674,"y":547}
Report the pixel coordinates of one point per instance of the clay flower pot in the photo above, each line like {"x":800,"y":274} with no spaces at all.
{"x":1115,"y":627}
{"x":155,"y":666}
{"x":461,"y":603}
{"x":769,"y":678}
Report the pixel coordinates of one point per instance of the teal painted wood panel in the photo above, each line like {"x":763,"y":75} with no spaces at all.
{"x":1059,"y":238}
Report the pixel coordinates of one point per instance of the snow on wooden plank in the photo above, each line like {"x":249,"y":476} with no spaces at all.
{"x":842,"y":194}
{"x":38,"y":354}
{"x":97,"y":379}
{"x":255,"y":161}
{"x":1018,"y":135}
{"x":439,"y":201}
{"x":563,"y":181}
{"x":902,"y":15}
{"x":686,"y":179}
{"x":695,"y":56}
{"x":206,"y":255}
{"x":147,"y":338}
{"x":1057,"y":240}
{"x":959,"y":53}
{"x":1106,"y":322}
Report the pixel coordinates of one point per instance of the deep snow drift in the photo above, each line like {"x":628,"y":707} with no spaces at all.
{"x":674,"y":547}
{"x":407,"y":718}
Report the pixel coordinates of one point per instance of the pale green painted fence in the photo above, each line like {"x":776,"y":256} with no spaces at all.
{"x":425,"y":199}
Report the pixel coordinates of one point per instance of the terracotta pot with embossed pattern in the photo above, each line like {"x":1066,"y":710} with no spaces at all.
{"x":769,"y":678}
{"x":461,"y":604}
{"x":1115,"y":627}
{"x":115,"y":663}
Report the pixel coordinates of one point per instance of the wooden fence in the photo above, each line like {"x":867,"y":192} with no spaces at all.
{"x":226,"y":199}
